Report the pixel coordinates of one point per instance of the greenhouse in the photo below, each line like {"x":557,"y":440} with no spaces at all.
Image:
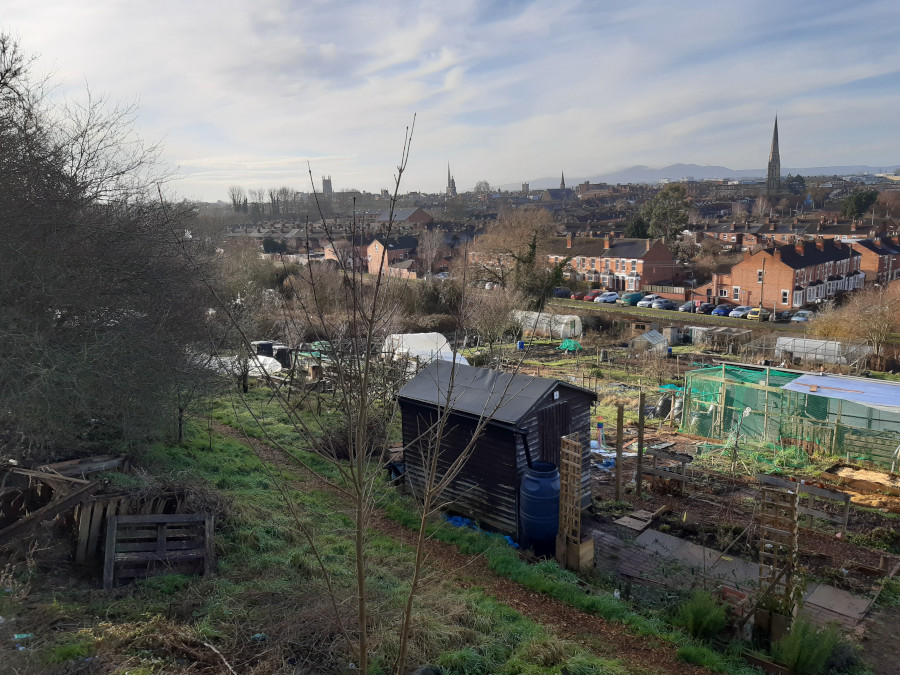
{"x":820,"y":414}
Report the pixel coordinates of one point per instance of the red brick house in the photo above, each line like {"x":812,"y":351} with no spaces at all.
{"x":619,"y":264}
{"x":348,"y":254}
{"x":730,"y":235}
{"x":789,"y":276}
{"x":880,"y":259}
{"x":383,"y":253}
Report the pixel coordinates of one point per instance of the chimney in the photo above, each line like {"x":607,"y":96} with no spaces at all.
{"x":877,"y":241}
{"x":607,"y":243}
{"x":818,"y":227}
{"x":799,"y":247}
{"x":776,"y":254}
{"x":569,"y":240}
{"x":768,"y":221}
{"x":733,"y":226}
{"x":820,"y":243}
{"x":853,"y":226}
{"x":837,"y":244}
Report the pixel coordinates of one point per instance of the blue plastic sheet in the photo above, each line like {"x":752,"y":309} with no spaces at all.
{"x":460,"y":521}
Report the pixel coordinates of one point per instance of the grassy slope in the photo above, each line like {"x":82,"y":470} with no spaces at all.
{"x":268,"y":586}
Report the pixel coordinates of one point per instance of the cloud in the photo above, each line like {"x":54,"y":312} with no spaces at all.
{"x":504,"y":91}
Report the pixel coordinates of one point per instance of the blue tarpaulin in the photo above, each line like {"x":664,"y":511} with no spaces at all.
{"x":873,"y":393}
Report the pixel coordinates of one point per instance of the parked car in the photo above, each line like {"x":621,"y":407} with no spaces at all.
{"x":705,"y":308}
{"x":722,"y":310}
{"x":609,"y":296}
{"x":740,"y":312}
{"x":578,"y":295}
{"x":648,"y":300}
{"x":689,"y":306}
{"x":664,"y":303}
{"x":802,"y":316}
{"x":759,"y":314}
{"x":591,"y":296}
{"x":561,"y":292}
{"x":630,"y":298}
{"x":783,"y":315}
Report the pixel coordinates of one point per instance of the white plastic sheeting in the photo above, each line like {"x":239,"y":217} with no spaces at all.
{"x":423,"y":347}
{"x":542,"y":324}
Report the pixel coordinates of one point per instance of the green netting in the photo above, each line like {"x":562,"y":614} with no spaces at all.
{"x":748,"y":405}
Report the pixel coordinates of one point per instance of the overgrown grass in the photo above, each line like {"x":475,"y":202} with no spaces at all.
{"x":807,"y":648}
{"x":702,"y":656}
{"x":268,"y":583}
{"x":701,"y":616}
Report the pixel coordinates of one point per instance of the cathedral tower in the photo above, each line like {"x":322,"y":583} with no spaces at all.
{"x":562,"y":180}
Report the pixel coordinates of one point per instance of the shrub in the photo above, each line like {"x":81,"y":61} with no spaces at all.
{"x":701,"y":616}
{"x":806,"y":649}
{"x":701,"y":656}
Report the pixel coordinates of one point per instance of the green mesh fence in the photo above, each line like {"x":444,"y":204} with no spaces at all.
{"x":747,"y":405}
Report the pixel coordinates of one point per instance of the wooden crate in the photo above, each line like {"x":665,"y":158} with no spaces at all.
{"x":92,"y":516}
{"x":141,"y":546}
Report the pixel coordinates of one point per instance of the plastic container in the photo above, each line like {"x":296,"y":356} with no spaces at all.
{"x":539,"y":507}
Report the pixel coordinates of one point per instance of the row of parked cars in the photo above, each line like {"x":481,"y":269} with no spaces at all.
{"x":653,"y":301}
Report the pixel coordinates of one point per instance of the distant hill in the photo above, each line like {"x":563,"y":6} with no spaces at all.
{"x":646,"y":174}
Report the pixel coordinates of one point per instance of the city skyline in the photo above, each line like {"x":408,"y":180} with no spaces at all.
{"x":508,"y":92}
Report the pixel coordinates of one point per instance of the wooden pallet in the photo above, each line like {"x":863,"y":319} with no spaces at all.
{"x":92,"y":516}
{"x":141,"y":546}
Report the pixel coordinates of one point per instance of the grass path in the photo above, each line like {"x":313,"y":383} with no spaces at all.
{"x":639,"y":654}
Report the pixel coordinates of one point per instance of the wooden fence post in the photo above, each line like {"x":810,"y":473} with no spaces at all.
{"x":640,"y":444}
{"x":619,"y":415}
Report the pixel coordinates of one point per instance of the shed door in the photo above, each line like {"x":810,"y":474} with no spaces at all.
{"x":554,"y":422}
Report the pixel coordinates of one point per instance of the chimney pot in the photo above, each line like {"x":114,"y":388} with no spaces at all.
{"x":569,"y":241}
{"x":799,"y":247}
{"x":820,"y":244}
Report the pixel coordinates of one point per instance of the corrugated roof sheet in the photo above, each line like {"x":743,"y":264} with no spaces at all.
{"x":505,"y":397}
{"x":872,"y":393}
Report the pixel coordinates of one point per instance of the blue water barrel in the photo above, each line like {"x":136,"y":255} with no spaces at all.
{"x":539,"y":507}
{"x":520,"y":345}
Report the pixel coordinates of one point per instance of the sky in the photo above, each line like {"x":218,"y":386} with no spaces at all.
{"x":260,"y":93}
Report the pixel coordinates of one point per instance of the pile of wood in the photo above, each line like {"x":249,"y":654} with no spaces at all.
{"x":133,"y":534}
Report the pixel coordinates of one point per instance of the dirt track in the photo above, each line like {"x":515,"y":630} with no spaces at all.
{"x":647,"y":654}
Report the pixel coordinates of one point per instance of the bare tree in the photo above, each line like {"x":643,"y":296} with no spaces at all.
{"x":487,"y":313}
{"x":431,"y":243}
{"x":872,"y":315}
{"x":761,"y":207}
{"x":237,"y":195}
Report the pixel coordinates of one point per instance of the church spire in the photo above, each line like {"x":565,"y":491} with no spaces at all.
{"x":562,"y":180}
{"x":773,"y":174}
{"x":451,"y":184}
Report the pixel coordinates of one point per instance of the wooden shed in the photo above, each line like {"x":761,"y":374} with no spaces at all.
{"x":526,"y":417}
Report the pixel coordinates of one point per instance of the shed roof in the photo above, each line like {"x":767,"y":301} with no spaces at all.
{"x":505,"y":397}
{"x":873,"y":393}
{"x":654,"y":337}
